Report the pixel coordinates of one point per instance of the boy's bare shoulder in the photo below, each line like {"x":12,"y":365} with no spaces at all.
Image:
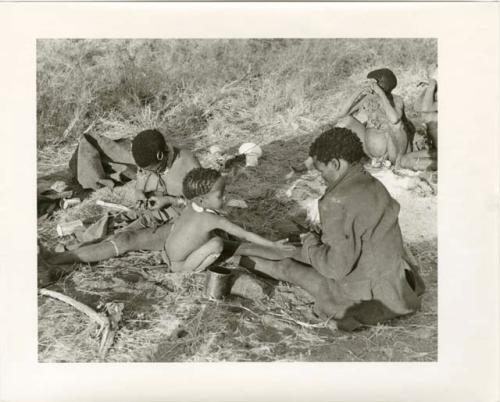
{"x":215,"y":221}
{"x":204,"y":218}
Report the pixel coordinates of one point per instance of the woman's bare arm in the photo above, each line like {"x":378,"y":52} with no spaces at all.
{"x":352,"y":104}
{"x":393,"y":113}
{"x":140,"y":185}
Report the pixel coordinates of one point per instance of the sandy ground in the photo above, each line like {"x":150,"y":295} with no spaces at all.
{"x":167,"y":318}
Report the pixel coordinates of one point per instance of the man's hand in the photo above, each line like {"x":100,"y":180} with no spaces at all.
{"x":288,"y":250}
{"x":310,"y":239}
{"x":284,"y":245}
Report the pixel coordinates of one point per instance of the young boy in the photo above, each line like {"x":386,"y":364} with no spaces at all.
{"x":164,"y":168}
{"x":356,"y":269}
{"x":191,"y":244}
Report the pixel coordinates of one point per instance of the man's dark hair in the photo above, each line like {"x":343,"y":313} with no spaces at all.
{"x":337,"y":143}
{"x":386,"y":79}
{"x":145,"y":147}
{"x":199,"y":181}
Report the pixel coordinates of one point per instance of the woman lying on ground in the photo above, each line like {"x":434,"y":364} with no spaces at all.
{"x":159,"y":185}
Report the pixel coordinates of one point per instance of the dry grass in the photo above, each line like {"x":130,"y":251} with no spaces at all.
{"x":167,"y":318}
{"x":275,"y":93}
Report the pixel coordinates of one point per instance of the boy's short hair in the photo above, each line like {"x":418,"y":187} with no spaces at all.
{"x":386,"y":79}
{"x":337,"y":143}
{"x":145,"y":147}
{"x":199,"y":181}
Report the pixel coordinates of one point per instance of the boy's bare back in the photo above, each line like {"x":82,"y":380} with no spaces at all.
{"x":191,"y":230}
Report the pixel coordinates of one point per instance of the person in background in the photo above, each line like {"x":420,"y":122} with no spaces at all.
{"x":159,"y":187}
{"x":426,"y":159}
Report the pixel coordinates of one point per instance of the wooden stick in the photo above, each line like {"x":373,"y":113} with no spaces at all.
{"x":107,"y":330}
{"x":114,"y":311}
{"x":99,"y":318}
{"x":113,"y":205}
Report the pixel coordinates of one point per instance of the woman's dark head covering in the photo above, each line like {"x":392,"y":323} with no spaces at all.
{"x":385,"y":79}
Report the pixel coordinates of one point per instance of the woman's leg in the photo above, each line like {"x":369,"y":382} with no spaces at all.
{"x":143,"y":239}
{"x":200,"y":258}
{"x":397,"y":144}
{"x":419,"y":160}
{"x":354,"y":125}
{"x":376,"y":144}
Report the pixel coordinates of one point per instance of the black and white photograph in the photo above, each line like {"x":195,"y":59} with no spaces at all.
{"x":207,"y":200}
{"x":245,"y":201}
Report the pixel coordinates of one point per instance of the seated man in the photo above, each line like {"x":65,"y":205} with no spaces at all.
{"x":356,"y":268}
{"x":192,"y":244}
{"x":164,"y":168}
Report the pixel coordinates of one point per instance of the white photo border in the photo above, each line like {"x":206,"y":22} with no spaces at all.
{"x":467,"y":367}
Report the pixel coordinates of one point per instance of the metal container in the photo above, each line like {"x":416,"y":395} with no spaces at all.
{"x":70,"y":202}
{"x":252,"y":160}
{"x":67,"y":228}
{"x":217,"y":282}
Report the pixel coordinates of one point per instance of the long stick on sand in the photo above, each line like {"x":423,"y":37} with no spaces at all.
{"x":108,"y":334}
{"x":99,"y":318}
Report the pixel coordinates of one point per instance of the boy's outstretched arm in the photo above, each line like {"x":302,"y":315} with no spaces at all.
{"x":235,"y":230}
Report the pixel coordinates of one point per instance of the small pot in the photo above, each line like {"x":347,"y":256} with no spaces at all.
{"x":70,"y":202}
{"x":252,"y":160}
{"x":218,"y":282}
